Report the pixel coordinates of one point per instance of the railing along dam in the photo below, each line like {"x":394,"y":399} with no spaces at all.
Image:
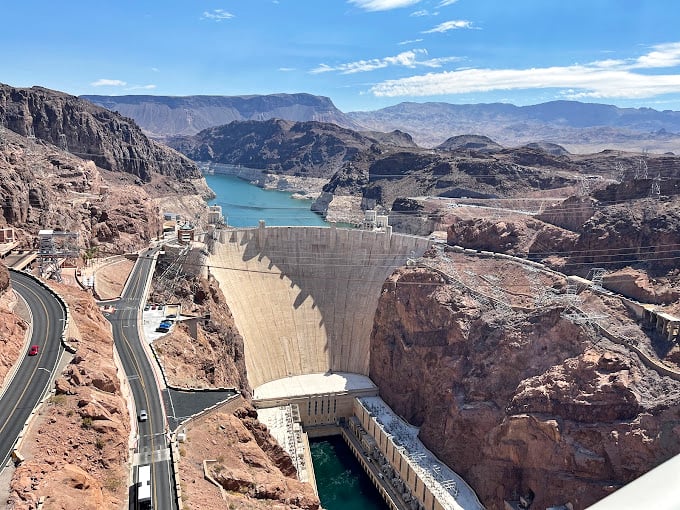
{"x":304,"y":297}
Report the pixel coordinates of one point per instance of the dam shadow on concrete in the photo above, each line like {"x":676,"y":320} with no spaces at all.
{"x":304,"y":298}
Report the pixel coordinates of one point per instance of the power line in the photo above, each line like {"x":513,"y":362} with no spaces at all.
{"x":363,"y":266}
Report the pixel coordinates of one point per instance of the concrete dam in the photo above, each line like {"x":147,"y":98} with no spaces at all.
{"x":304,"y":297}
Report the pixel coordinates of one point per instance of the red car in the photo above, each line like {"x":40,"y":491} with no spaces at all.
{"x":33,"y":350}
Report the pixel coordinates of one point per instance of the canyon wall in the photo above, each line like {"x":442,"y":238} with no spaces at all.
{"x":525,"y":402}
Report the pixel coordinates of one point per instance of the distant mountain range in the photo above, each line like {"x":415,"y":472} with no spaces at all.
{"x":569,"y":123}
{"x":579,"y":127}
{"x":162,"y":116}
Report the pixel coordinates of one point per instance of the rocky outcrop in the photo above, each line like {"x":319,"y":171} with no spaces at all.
{"x":635,"y":232}
{"x":513,"y":400}
{"x":570,"y":214}
{"x":215,"y":356}
{"x":77,"y":447}
{"x":251,"y":468}
{"x":475,"y":143}
{"x":515,"y":235}
{"x":91,"y":132}
{"x":636,"y":284}
{"x":45,"y":188}
{"x":309,"y":149}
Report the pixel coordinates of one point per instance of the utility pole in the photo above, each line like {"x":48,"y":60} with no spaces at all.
{"x":656,"y":187}
{"x":2,"y":123}
{"x":641,"y":170}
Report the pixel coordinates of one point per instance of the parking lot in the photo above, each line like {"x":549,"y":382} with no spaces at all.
{"x":152,"y":317}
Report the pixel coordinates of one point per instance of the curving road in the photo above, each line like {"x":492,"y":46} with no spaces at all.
{"x":34,"y":374}
{"x":153,"y":445}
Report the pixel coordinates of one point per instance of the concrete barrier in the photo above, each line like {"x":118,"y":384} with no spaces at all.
{"x":9,"y":377}
{"x":647,"y":360}
{"x":63,"y":304}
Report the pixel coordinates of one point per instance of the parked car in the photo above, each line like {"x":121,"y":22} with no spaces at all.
{"x":142,"y":416}
{"x":33,"y":351}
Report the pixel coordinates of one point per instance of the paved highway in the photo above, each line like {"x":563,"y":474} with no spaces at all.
{"x":153,"y":444}
{"x":35,"y":372}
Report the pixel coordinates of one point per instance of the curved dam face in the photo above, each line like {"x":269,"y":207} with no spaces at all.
{"x":304,"y":297}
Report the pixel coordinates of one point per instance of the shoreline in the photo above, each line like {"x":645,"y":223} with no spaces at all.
{"x":301,"y":188}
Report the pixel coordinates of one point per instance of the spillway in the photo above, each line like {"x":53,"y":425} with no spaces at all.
{"x":304,"y":298}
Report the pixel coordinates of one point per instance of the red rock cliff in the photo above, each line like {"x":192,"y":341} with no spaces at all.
{"x":522,"y":403}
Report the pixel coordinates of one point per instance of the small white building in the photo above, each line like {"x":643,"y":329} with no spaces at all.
{"x":374,"y":221}
{"x":215,"y":216}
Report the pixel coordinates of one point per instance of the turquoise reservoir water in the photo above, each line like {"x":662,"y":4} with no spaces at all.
{"x":341,"y":482}
{"x":244,"y":204}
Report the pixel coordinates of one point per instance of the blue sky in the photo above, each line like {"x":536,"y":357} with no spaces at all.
{"x":363,"y":54}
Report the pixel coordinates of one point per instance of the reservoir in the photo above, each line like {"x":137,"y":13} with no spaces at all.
{"x":244,"y":204}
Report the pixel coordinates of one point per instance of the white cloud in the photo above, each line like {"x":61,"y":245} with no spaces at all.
{"x":578,"y":81}
{"x":217,"y":15}
{"x":405,"y":59}
{"x":609,"y":63}
{"x":602,"y":79}
{"x":150,"y":86}
{"x":382,"y":5}
{"x":286,"y":69}
{"x":423,"y":12}
{"x":410,"y":41}
{"x":444,"y":3}
{"x":104,"y":82}
{"x":663,"y":55}
{"x":450,"y":25}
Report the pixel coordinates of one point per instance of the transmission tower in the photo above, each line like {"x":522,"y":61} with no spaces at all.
{"x":641,"y":170}
{"x":54,"y":248}
{"x":173,"y":274}
{"x":620,"y":172}
{"x":597,"y":276}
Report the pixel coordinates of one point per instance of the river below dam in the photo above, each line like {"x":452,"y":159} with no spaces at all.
{"x":341,"y":482}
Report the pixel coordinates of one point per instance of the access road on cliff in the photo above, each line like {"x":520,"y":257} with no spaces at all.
{"x":34,"y":374}
{"x":153,"y":447}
